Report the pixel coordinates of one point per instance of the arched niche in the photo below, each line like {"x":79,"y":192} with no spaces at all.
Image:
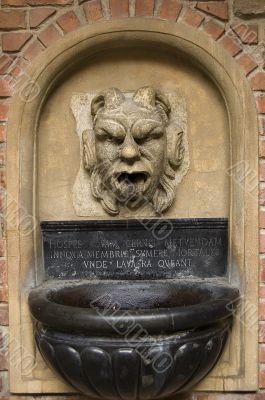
{"x":32,"y":160}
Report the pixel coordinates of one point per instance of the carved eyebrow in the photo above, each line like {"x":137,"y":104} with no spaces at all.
{"x":110,"y":127}
{"x":143,"y":127}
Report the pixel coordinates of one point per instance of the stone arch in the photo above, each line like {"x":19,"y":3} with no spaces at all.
{"x":45,"y":72}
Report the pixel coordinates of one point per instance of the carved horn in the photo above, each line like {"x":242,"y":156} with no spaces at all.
{"x":145,"y":97}
{"x":109,"y":99}
{"x":149,"y":97}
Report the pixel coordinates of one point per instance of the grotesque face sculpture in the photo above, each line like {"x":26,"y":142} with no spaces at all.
{"x":130,"y":165}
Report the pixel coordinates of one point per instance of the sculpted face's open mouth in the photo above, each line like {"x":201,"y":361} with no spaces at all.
{"x":132,"y":182}
{"x":133,"y":178}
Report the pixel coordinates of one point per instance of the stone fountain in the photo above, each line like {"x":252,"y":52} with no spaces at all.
{"x":136,"y":306}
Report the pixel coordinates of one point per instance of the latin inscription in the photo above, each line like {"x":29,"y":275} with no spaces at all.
{"x":134,"y":253}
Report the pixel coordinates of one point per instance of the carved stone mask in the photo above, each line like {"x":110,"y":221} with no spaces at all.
{"x":130,"y":165}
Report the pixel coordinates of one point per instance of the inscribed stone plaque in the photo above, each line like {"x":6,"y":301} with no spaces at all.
{"x":135,"y":249}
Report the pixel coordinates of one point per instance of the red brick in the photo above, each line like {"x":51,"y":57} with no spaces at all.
{"x":15,"y":3}
{"x":262,"y":243}
{"x":261,"y":124}
{"x":170,"y":10}
{"x":3,"y":361}
{"x":49,"y":36}
{"x":2,"y":248}
{"x":216,"y":8}
{"x":4,"y":293}
{"x":5,"y":63}
{"x":258,"y":81}
{"x":262,"y":172}
{"x":262,"y":353}
{"x":193,"y":18}
{"x":214,"y":29}
{"x":262,"y":219}
{"x":12,"y":42}
{"x":230,"y":45}
{"x":247,"y":63}
{"x":4,"y":108}
{"x":3,"y":272}
{"x":261,"y":121}
{"x":50,"y":2}
{"x":2,"y":157}
{"x":93,"y":10}
{"x":262,"y":311}
{"x":68,"y":22}
{"x":262,"y":148}
{"x":5,"y":89}
{"x":144,"y":8}
{"x":248,"y":34}
{"x":262,"y":333}
{"x":4,"y":314}
{"x":257,"y":396}
{"x":262,"y":379}
{"x":262,"y":273}
{"x":261,"y":104}
{"x":12,"y":19}
{"x":38,"y":15}
{"x":18,"y":67}
{"x":119,"y":8}
{"x":2,"y":133}
{"x":33,"y":50}
{"x":262,"y":292}
{"x":2,"y":184}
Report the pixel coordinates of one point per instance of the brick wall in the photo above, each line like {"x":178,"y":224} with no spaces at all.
{"x":29,"y":26}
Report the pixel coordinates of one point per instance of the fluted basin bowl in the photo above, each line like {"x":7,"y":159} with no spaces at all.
{"x":132,"y":339}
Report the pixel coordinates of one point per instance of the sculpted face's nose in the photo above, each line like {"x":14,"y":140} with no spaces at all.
{"x":129,"y":150}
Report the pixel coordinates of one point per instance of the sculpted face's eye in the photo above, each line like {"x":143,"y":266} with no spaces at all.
{"x":104,"y":135}
{"x":147,"y":137}
{"x":114,"y":140}
{"x":146,"y":130}
{"x":109,"y":130}
{"x":117,"y":140}
{"x":141,"y":141}
{"x":157,"y":132}
{"x":101,"y":133}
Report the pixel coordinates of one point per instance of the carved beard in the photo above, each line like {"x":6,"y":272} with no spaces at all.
{"x":161,"y":197}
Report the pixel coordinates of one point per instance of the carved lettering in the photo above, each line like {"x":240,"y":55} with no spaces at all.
{"x":176,"y":263}
{"x":96,"y":264}
{"x":136,"y":253}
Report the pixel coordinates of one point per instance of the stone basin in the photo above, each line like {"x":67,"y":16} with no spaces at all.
{"x":132,"y":340}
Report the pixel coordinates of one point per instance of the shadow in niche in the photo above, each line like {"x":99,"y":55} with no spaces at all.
{"x":117,"y":67}
{"x":136,"y":54}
